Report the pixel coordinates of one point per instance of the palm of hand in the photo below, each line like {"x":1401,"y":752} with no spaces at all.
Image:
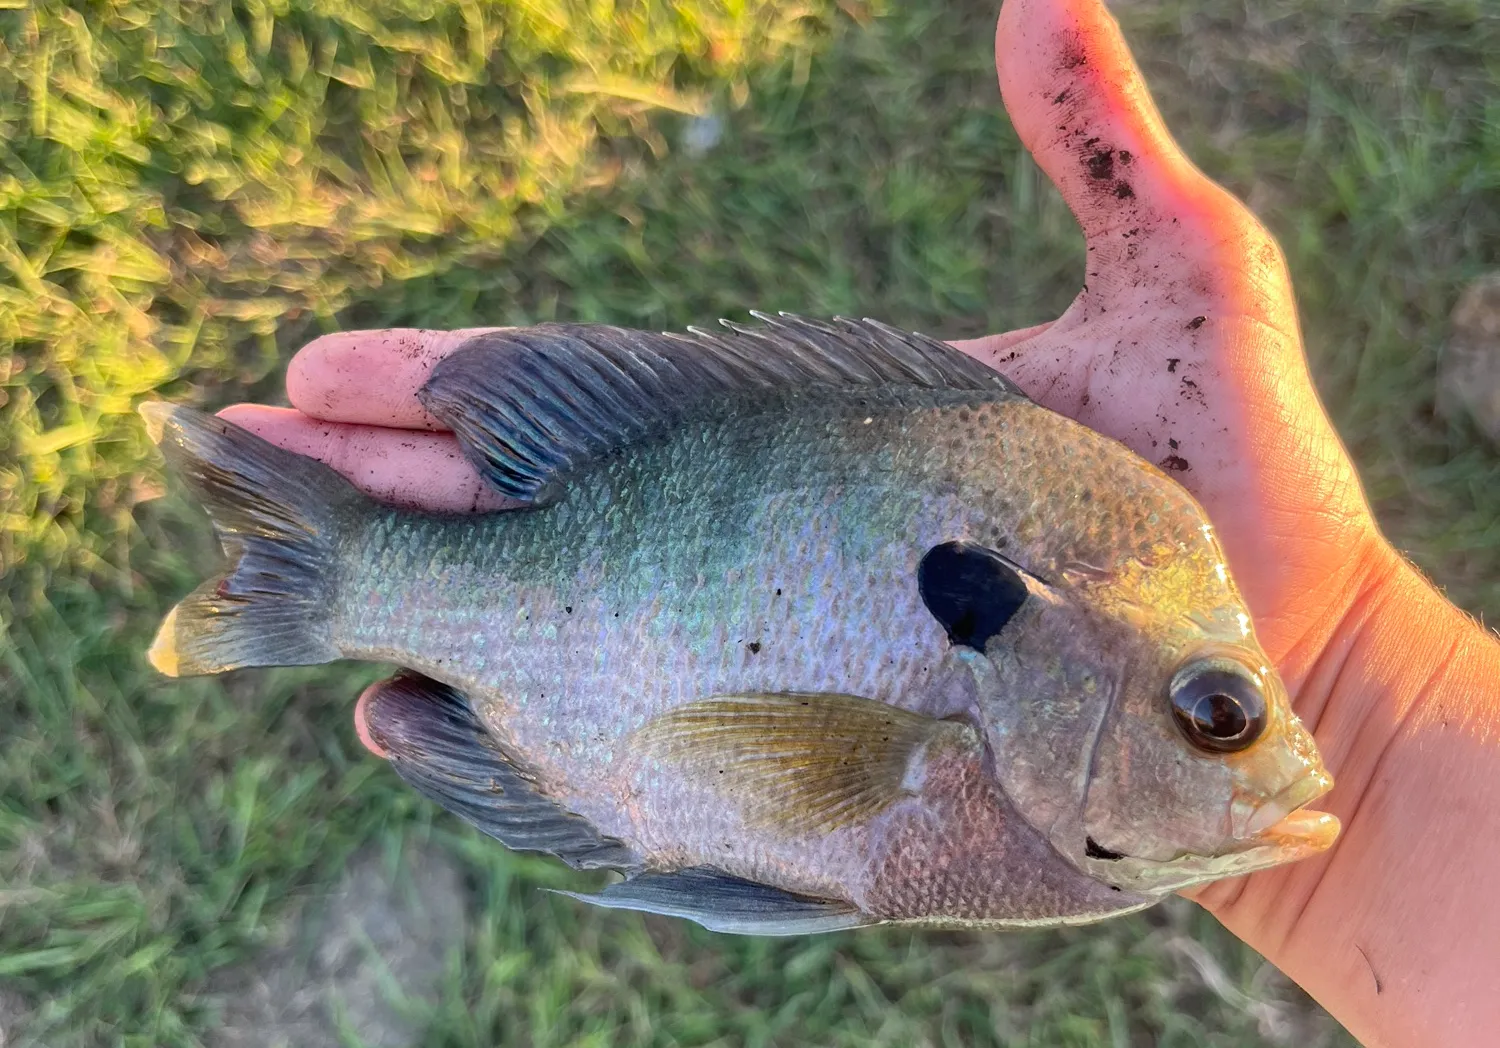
{"x":1184,"y":342}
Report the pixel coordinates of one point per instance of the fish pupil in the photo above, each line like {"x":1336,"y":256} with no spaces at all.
{"x":1220,"y":716}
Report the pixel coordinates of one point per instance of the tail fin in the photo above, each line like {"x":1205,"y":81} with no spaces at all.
{"x":278,"y":517}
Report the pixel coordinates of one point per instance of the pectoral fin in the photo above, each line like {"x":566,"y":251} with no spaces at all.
{"x":801,"y":763}
{"x":723,"y":903}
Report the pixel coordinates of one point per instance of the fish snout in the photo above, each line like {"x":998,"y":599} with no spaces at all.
{"x":1275,"y":785}
{"x":1273,"y":810}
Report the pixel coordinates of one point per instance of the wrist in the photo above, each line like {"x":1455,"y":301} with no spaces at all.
{"x":1392,"y":929}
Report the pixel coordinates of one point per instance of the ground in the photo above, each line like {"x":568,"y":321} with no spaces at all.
{"x":189,"y":191}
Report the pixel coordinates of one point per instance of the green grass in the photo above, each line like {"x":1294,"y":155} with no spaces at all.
{"x":188,"y":191}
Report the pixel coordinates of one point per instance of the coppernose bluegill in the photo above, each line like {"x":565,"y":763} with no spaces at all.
{"x":800,"y":626}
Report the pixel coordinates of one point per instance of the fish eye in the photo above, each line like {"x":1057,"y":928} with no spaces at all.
{"x":1219,"y":705}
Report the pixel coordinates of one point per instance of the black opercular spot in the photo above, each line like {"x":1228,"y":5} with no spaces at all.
{"x":971,"y":590}
{"x":1094,"y":850}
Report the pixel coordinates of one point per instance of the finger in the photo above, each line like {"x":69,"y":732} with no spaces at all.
{"x":1081,"y":107}
{"x":370,"y":377}
{"x":361,"y":719}
{"x":994,"y":347}
{"x":425,"y":471}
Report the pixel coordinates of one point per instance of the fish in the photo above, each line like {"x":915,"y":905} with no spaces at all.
{"x":796,"y":626}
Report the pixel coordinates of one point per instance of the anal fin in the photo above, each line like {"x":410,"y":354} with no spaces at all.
{"x":436,"y":743}
{"x":724,"y":903}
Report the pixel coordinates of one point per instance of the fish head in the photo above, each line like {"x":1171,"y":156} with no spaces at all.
{"x":1201,"y":771}
{"x":1137,"y":723}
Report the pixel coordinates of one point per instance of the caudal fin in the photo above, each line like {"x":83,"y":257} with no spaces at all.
{"x":278,"y":517}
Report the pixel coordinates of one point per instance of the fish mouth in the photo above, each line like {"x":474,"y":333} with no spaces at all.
{"x":1295,"y":835}
{"x":1285,"y":821}
{"x":1278,"y":831}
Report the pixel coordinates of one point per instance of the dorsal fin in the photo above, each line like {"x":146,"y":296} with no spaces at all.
{"x":529,"y":403}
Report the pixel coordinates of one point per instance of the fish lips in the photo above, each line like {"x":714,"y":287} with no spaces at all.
{"x":1280,"y":831}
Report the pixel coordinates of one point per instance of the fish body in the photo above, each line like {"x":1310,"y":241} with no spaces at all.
{"x":801,"y":627}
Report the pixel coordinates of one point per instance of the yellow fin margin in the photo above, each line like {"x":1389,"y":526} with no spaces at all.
{"x":163,"y":652}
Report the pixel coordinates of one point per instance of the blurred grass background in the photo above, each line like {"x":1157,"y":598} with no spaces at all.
{"x":189,"y":189}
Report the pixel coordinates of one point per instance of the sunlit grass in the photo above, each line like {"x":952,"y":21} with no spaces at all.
{"x":185,"y":186}
{"x":188,"y":190}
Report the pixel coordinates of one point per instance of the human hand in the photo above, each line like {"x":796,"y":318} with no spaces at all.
{"x":1184,"y":345}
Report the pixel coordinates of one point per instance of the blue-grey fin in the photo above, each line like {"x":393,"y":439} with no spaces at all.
{"x":279,"y":518}
{"x":436,"y":743}
{"x":724,"y":903}
{"x":529,"y":403}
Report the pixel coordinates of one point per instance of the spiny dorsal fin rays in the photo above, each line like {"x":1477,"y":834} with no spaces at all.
{"x":527,"y":404}
{"x":796,"y":762}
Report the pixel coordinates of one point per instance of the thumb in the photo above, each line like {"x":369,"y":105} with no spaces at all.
{"x":1081,"y":107}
